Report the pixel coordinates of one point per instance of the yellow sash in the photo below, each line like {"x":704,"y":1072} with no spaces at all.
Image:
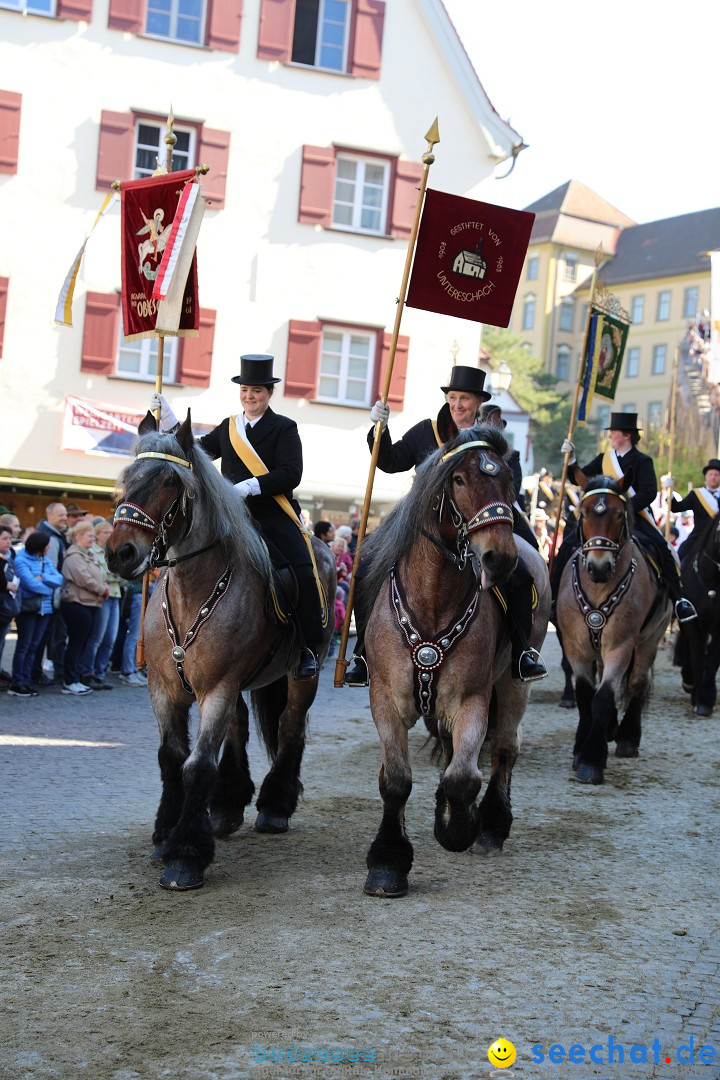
{"x":436,"y":433}
{"x":255,"y":464}
{"x":710,"y":509}
{"x":611,"y":467}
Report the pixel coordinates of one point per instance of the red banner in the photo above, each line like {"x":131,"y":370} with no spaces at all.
{"x":147,"y":210}
{"x":469,"y":258}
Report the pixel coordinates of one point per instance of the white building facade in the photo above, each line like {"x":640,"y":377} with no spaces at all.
{"x":311,"y":115}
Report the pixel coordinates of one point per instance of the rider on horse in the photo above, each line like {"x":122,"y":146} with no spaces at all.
{"x":259,"y":433}
{"x":465,"y":395}
{"x":624,"y":457}
{"x":704,"y":503}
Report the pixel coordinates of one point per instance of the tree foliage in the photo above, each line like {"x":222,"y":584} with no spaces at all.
{"x":535,"y":390}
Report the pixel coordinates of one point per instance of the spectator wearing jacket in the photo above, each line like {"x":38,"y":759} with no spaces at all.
{"x":8,"y":588}
{"x":55,"y":525}
{"x":38,"y":581}
{"x":108,"y":621}
{"x":83,"y":592}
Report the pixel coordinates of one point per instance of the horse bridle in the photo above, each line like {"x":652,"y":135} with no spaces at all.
{"x":128,"y":513}
{"x":603,"y":543}
{"x":491,"y":513}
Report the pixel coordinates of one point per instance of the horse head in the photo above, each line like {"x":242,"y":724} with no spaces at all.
{"x":604,"y":526}
{"x":475,"y":500}
{"x":153,"y":492}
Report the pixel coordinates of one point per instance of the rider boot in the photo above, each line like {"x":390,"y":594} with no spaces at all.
{"x":684,"y":609}
{"x":309,"y":623}
{"x":358,"y":674}
{"x":526,"y":662}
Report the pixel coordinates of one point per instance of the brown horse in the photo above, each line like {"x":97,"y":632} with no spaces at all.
{"x":437,"y":647}
{"x":211,"y":632}
{"x":612,"y":616}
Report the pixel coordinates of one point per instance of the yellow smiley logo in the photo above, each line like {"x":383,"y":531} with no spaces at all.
{"x":502,"y":1053}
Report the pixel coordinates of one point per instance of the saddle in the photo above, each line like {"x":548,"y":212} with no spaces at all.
{"x":282,"y":587}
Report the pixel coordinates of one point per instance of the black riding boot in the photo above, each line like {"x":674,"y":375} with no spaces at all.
{"x":357,"y":674}
{"x":684,"y":610}
{"x":527,"y":663}
{"x":309,"y":623}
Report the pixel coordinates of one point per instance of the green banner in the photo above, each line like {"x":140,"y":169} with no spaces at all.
{"x":610,"y":358}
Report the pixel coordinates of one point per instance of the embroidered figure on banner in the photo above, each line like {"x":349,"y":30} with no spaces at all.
{"x":154,"y":245}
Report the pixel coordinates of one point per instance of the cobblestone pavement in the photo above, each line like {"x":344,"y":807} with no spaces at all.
{"x":597,"y":929}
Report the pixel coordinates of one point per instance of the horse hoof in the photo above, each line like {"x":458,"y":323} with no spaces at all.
{"x":157,"y":853}
{"x":588,"y":774}
{"x":270,"y":823}
{"x":703,"y":710}
{"x":223,"y":826}
{"x":567,"y":703}
{"x":626,"y":749}
{"x":182,"y":876}
{"x":576,"y":762}
{"x":487,"y":845}
{"x":688,"y":687}
{"x":385,"y":883}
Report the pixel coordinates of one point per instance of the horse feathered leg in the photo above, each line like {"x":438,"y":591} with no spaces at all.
{"x":390,"y":857}
{"x":234,"y":788}
{"x":495,"y":810}
{"x":173,"y":752}
{"x":456,"y":815}
{"x":282,"y":714}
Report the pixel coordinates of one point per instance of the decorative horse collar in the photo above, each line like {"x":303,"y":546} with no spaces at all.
{"x":428,"y":654}
{"x":596,"y":618}
{"x":179,"y":650}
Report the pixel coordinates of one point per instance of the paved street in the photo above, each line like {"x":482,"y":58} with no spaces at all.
{"x":598,"y":925}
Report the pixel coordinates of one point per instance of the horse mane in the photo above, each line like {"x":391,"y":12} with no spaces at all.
{"x":398,"y":533}
{"x":594,"y":483}
{"x":217,"y":511}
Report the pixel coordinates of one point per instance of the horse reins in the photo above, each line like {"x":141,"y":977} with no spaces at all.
{"x":597,"y":617}
{"x":603,"y":543}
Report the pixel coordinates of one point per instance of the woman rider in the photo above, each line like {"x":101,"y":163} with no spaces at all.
{"x":464,"y":397}
{"x":276,"y":441}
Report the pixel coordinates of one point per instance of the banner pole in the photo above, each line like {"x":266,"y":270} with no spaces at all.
{"x":576,"y":401}
{"x":432,"y":137}
{"x":671,"y":447}
{"x":169,"y":140}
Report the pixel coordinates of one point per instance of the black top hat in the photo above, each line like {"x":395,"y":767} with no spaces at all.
{"x":623,"y":421}
{"x":489,"y":410}
{"x":256,"y":370}
{"x":468,"y":380}
{"x":713,"y":463}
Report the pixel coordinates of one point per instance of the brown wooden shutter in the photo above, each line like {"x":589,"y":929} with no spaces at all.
{"x":223,"y":25}
{"x":396,"y":395}
{"x":10,"y":105}
{"x":75,"y":9}
{"x":276,"y":29}
{"x":303,"y":359}
{"x":404,"y":196}
{"x":194,"y":362}
{"x":115,"y":148}
{"x":214,"y":150}
{"x":100,"y":336}
{"x":4,"y":285}
{"x":128,"y":15}
{"x":366,"y":42}
{"x":317,"y":185}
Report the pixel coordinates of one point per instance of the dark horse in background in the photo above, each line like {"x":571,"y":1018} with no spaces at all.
{"x":437,"y":647}
{"x":697,"y":648}
{"x":209,"y":635}
{"x":612,"y":616}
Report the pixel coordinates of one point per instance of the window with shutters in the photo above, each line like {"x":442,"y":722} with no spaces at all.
{"x":347,"y":361}
{"x":361,"y":194}
{"x":139,"y":359}
{"x":177,"y":20}
{"x":320,"y":33}
{"x":329,"y":35}
{"x":150,"y":147}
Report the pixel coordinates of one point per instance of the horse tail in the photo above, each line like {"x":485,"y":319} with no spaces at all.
{"x":268,"y":704}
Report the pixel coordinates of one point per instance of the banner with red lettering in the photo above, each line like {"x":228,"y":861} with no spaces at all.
{"x":148,"y":208}
{"x":469,"y":258}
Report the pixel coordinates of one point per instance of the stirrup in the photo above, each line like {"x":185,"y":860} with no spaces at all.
{"x":534,"y":666}
{"x":358,"y":674}
{"x":684,"y":610}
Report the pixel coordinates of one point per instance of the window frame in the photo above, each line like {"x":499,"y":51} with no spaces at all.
{"x":21,"y":7}
{"x":603,"y":416}
{"x":633,"y":374}
{"x":567,"y":305}
{"x":662,"y":311}
{"x":566,"y":352}
{"x":174,"y":15}
{"x":688,"y":291}
{"x":655,"y":354}
{"x":570,"y":267}
{"x":182,"y":129}
{"x":637,"y":301}
{"x":347,"y":331}
{"x":170,"y":358}
{"x":655,"y":408}
{"x":533,"y":264}
{"x":357,"y":207}
{"x":317,"y":52}
{"x":528,"y":304}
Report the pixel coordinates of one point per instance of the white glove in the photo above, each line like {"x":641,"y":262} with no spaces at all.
{"x":380,"y":412}
{"x":168,"y":419}
{"x":667,"y":481}
{"x":568,"y":448}
{"x":244,"y":488}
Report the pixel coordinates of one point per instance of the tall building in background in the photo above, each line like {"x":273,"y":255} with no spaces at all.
{"x":311,"y":117}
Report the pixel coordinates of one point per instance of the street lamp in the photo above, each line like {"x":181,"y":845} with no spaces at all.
{"x":500,"y":377}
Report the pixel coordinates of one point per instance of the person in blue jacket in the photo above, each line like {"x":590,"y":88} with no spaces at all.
{"x":38,"y":581}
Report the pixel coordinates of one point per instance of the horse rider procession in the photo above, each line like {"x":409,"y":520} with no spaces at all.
{"x":452,"y":598}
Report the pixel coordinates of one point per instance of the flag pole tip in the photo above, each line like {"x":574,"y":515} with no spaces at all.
{"x":433,"y":135}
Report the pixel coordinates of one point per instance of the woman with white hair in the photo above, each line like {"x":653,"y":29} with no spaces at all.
{"x":80,"y":601}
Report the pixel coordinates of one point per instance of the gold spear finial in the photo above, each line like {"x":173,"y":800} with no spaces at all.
{"x":433,"y":136}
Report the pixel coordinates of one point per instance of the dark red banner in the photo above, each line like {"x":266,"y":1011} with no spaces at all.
{"x":469,"y":258}
{"x":147,"y":210}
